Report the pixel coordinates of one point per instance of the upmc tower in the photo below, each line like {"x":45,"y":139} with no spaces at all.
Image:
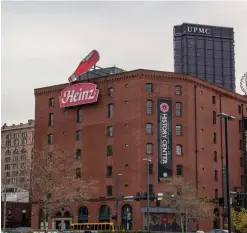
{"x":206,"y":52}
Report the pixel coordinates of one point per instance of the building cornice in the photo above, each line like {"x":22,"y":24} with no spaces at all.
{"x":162,"y":76}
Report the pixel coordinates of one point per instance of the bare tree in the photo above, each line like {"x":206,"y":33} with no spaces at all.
{"x":187,"y":203}
{"x":55,"y":181}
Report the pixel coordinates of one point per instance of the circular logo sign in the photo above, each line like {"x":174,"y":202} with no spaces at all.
{"x":165,"y":174}
{"x":164,"y":107}
{"x":243,"y":83}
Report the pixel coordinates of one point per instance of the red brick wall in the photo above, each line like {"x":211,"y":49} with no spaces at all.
{"x":129,"y":121}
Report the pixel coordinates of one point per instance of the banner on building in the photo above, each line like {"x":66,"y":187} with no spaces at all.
{"x":245,"y":154}
{"x":164,"y":123}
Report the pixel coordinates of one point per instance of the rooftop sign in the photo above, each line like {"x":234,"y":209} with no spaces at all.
{"x":85,"y":65}
{"x":199,"y":30}
{"x":78,"y":94}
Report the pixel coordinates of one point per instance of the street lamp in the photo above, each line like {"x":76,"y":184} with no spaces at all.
{"x":227,"y":118}
{"x":117,"y":198}
{"x":148,"y":194}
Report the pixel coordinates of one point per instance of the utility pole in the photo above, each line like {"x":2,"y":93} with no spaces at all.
{"x":148,"y":194}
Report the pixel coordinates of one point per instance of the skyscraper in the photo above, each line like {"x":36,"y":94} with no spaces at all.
{"x":206,"y":52}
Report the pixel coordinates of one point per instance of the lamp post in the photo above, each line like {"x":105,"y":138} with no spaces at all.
{"x":117,"y":199}
{"x":148,"y":194}
{"x":227,"y":118}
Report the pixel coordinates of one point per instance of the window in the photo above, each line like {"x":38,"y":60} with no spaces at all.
{"x":78,"y":135}
{"x":242,"y":180}
{"x":239,"y":109}
{"x":8,"y":143}
{"x":180,"y":171}
{"x":24,"y":141}
{"x":23,"y":157}
{"x":241,"y":162}
{"x":16,"y":142}
{"x":8,"y":137}
{"x":178,"y":130}
{"x":8,"y":153}
{"x":240,"y":126}
{"x":7,"y":160}
{"x":213,"y":99}
{"x":110,"y":91}
{"x":109,"y":191}
{"x":110,"y":110}
{"x":51,"y":119}
{"x":16,"y":135}
{"x":178,"y":90}
{"x":179,"y":150}
{"x":50,"y":139}
{"x":15,"y":158}
{"x":24,"y":134}
{"x":215,"y":175}
{"x":149,"y":107}
{"x":79,"y":115}
{"x":14,"y":180}
{"x":109,"y":171}
{"x":149,"y":128}
{"x":109,"y":150}
{"x":216,"y":193}
{"x":51,"y":102}
{"x":149,"y":148}
{"x":110,"y":131}
{"x":16,"y":152}
{"x":214,"y":117}
{"x":215,"y":156}
{"x":7,"y":167}
{"x":151,"y":188}
{"x":78,"y":173}
{"x":214,"y":138}
{"x":149,"y":87}
{"x":240,"y":144}
{"x":78,"y":154}
{"x":150,"y":169}
{"x":178,"y":109}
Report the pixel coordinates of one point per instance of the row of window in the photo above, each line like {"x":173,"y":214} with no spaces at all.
{"x":16,"y":142}
{"x":14,"y":180}
{"x":15,"y":158}
{"x":15,"y":166}
{"x":16,"y":135}
{"x":15,"y":173}
{"x":15,"y":152}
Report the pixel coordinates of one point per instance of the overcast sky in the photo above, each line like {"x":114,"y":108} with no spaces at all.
{"x":43,"y":42}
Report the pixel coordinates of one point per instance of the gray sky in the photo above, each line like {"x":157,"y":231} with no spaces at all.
{"x":43,"y":42}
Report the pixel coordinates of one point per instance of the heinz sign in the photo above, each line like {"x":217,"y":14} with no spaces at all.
{"x":78,"y":94}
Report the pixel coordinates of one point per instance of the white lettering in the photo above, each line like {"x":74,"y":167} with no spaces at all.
{"x":75,"y":96}
{"x":68,"y":95}
{"x":92,"y":94}
{"x":198,"y":30}
{"x":164,"y":139}
{"x":84,"y":95}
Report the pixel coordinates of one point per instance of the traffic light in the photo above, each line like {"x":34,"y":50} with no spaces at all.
{"x":221,"y":201}
{"x":157,"y":203}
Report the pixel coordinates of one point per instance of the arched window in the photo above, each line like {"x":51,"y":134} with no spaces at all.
{"x":58,"y":214}
{"x":126,"y":217}
{"x":23,"y":151}
{"x":83,"y":214}
{"x":104,"y":214}
{"x":67,"y":214}
{"x":8,"y":153}
{"x":15,"y":152}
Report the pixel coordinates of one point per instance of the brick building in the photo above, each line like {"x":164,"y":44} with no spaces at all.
{"x":121,"y":129}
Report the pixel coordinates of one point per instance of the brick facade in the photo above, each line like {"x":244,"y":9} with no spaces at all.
{"x":130,"y":138}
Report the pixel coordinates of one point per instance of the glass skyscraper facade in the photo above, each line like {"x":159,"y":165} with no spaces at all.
{"x":206,"y":52}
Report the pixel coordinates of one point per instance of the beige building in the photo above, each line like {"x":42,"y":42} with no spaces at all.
{"x":16,"y":152}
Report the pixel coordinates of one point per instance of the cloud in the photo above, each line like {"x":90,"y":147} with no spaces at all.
{"x":42,"y":42}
